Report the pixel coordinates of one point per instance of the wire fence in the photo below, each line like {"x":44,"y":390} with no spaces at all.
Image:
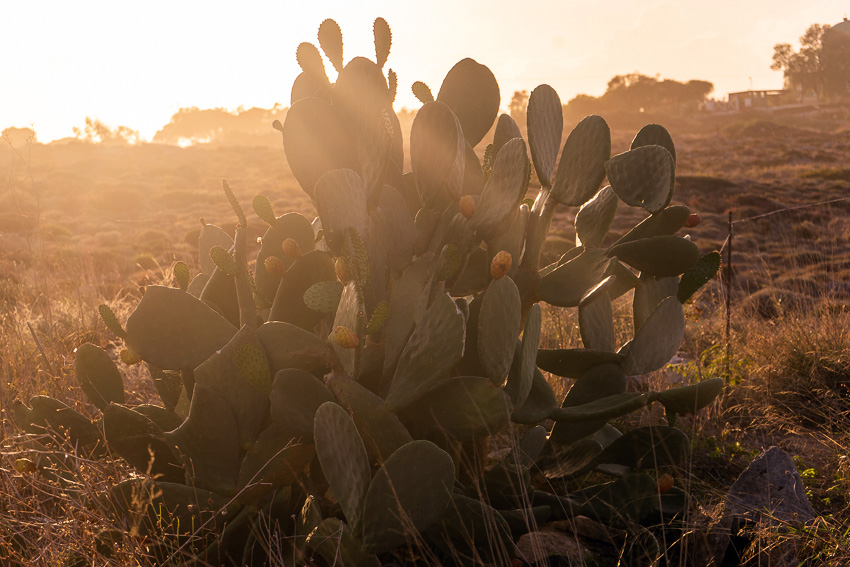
{"x":728,"y":270}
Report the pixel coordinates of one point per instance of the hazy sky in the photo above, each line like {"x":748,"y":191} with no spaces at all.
{"x":136,"y":63}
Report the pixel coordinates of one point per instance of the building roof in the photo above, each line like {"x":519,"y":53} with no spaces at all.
{"x":842,"y":26}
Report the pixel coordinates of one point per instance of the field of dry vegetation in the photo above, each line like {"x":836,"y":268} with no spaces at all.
{"x":83,"y":224}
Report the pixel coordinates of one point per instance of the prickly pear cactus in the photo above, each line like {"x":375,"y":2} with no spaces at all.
{"x":352,"y":377}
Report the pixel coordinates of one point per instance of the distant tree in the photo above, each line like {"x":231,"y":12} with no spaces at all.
{"x":636,"y":92}
{"x":804,"y":69}
{"x":96,"y":131}
{"x":519,"y":107}
{"x":19,"y":136}
{"x":245,"y":127}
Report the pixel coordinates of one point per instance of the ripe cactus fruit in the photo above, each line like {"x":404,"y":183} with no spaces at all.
{"x":379,"y":318}
{"x":274,"y":266}
{"x":129,"y":357}
{"x":345,"y":337}
{"x":263,"y":208}
{"x":223,"y":260}
{"x":693,"y":220}
{"x":467,"y":206}
{"x":291,"y":248}
{"x":665,"y":483}
{"x":111,"y":320}
{"x":181,"y":275}
{"x":501,"y":264}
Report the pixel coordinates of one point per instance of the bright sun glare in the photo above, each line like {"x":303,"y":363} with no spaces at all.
{"x":136,"y":67}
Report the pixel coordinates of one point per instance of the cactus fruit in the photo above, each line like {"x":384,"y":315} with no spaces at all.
{"x":501,"y":264}
{"x":467,"y":206}
{"x":345,"y":337}
{"x":181,"y":275}
{"x":274,"y":266}
{"x":223,"y":260}
{"x":693,"y":220}
{"x":665,"y":483}
{"x":291,"y":248}
{"x":129,"y":357}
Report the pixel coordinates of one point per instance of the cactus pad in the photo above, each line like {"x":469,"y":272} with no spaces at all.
{"x":658,"y":339}
{"x":595,"y":217}
{"x":180,"y":272}
{"x":499,"y":324}
{"x":111,"y":321}
{"x":702,"y":273}
{"x":643,"y":177}
{"x":434,"y":348}
{"x":323,"y":296}
{"x":657,"y":135}
{"x":383,"y":40}
{"x":343,"y":458}
{"x":582,"y":166}
{"x":659,"y":256}
{"x":545,"y":126}
{"x":310,"y":61}
{"x":173,"y":330}
{"x":263,"y":207}
{"x":409,"y":492}
{"x":223,"y":260}
{"x":471,"y":91}
{"x":330,"y":40}
{"x":98,"y":376}
{"x":378,"y":319}
{"x":504,"y":189}
{"x":691,"y":399}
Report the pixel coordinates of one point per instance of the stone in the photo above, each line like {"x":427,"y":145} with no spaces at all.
{"x":767,"y":499}
{"x":770,"y":492}
{"x":536,"y":547}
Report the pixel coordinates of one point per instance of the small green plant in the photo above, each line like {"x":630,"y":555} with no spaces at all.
{"x":352,"y":379}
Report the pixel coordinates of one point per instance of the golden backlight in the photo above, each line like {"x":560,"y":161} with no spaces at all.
{"x":136,"y":64}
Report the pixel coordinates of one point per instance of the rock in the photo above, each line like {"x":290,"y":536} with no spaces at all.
{"x":770,"y":492}
{"x":767,"y":499}
{"x":536,"y":547}
{"x":591,"y":529}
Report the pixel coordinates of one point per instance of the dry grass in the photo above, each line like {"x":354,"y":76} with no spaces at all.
{"x":79,"y":220}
